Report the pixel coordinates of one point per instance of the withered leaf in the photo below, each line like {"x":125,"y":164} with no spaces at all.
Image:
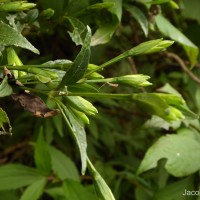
{"x":34,"y":104}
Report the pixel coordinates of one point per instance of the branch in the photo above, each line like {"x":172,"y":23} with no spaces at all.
{"x":183,"y":66}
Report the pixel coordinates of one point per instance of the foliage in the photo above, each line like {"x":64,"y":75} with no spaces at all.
{"x":115,"y":90}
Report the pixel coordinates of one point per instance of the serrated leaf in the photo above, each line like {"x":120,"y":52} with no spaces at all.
{"x":79,"y":66}
{"x":42,"y":154}
{"x":171,"y":31}
{"x":140,"y":18}
{"x":5,"y":127}
{"x":182,"y":159}
{"x":9,"y":36}
{"x":62,"y":166}
{"x":13,"y":176}
{"x":5,"y":88}
{"x":73,"y":189}
{"x":35,"y":190}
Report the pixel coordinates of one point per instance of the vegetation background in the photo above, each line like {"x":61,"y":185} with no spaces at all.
{"x":144,"y":142}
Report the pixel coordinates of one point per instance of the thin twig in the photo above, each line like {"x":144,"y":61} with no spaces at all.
{"x":132,"y":65}
{"x":183,"y":66}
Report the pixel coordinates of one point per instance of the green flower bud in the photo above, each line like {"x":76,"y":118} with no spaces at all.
{"x":173,"y":114}
{"x":162,"y":45}
{"x":94,"y":75}
{"x":80,"y":115}
{"x":135,"y":80}
{"x":81,"y":104}
{"x":174,"y":5}
{"x":16,"y":6}
{"x":47,"y":14}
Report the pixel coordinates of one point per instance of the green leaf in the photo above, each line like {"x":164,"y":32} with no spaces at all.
{"x":106,"y":30}
{"x":13,"y":176}
{"x":140,"y":18}
{"x":167,"y":88}
{"x":158,"y":122}
{"x":5,"y":127}
{"x":9,"y":36}
{"x":171,"y":31}
{"x":5,"y":88}
{"x":156,"y":1}
{"x":187,"y":112}
{"x":75,"y":191}
{"x":56,"y":192}
{"x":42,"y":154}
{"x":35,"y":190}
{"x":58,"y":124}
{"x":79,"y":66}
{"x":116,"y":10}
{"x":151,"y":103}
{"x":97,"y":6}
{"x":62,"y":166}
{"x":101,"y":187}
{"x":182,"y":152}
{"x":9,"y":194}
{"x":176,"y":190}
{"x":78,"y":132}
{"x":78,"y":30}
{"x":191,"y":9}
{"x":104,"y":33}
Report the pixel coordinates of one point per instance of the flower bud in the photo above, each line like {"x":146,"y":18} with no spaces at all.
{"x":47,"y":14}
{"x":16,"y":6}
{"x":81,"y":104}
{"x":162,"y":45}
{"x":135,"y":80}
{"x":80,"y":115}
{"x":174,"y":114}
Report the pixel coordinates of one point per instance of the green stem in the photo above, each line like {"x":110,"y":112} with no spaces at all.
{"x":54,"y":66}
{"x":112,"y":61}
{"x":60,"y":106}
{"x":52,"y":94}
{"x":103,"y":80}
{"x":102,"y":95}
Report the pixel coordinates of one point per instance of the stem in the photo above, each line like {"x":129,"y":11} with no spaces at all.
{"x":103,"y":80}
{"x":37,"y":91}
{"x":102,"y":95}
{"x":183,"y":66}
{"x":54,"y":66}
{"x":59,"y":104}
{"x":112,"y":61}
